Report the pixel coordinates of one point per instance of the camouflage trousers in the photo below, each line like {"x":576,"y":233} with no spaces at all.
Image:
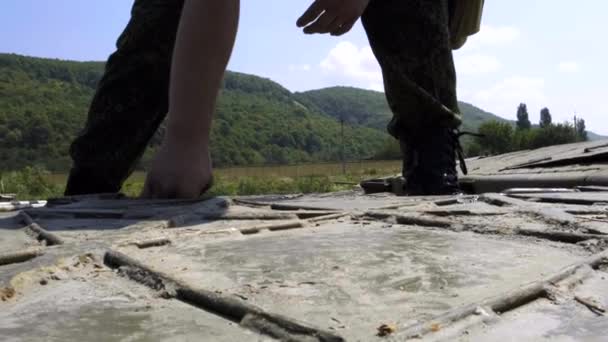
{"x":409,"y":38}
{"x":411,"y":41}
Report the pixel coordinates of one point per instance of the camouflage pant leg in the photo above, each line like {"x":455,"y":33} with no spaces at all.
{"x":411,"y":41}
{"x":131,"y":100}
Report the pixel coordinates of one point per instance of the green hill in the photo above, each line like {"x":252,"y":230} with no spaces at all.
{"x":43,"y":105}
{"x":353,"y":105}
{"x":369,"y":108}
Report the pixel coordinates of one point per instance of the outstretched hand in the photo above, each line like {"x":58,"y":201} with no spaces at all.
{"x":335,"y":17}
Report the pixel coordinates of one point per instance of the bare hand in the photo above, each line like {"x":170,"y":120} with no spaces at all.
{"x":179,"y":170}
{"x":332,"y":16}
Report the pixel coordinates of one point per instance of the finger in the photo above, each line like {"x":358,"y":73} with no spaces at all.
{"x":322,"y":24}
{"x":312,"y":13}
{"x":344,"y":28}
{"x":335,"y":25}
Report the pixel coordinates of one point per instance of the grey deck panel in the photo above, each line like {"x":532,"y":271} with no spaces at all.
{"x":562,"y":319}
{"x":570,"y":165}
{"x":347,"y":275}
{"x":91,"y":304}
{"x":517,"y":162}
{"x":353,"y":277}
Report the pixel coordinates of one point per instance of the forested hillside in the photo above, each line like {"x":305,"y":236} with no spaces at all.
{"x":43,"y":105}
{"x":369,"y":108}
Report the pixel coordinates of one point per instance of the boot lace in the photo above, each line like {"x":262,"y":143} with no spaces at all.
{"x":458,"y":146}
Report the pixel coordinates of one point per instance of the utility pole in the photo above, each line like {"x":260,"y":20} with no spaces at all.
{"x":575,"y":128}
{"x":342,"y":149}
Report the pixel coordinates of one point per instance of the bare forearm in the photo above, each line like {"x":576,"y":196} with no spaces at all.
{"x":203,"y":46}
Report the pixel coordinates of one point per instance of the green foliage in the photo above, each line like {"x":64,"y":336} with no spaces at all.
{"x":248,"y":185}
{"x":545,"y":118}
{"x":355,"y":106}
{"x":389,"y":150}
{"x":523,"y":119}
{"x":497,"y":137}
{"x":522,"y":140}
{"x":29,"y":183}
{"x":272,"y":127}
{"x":43,"y":105}
{"x":581,"y":130}
{"x":267,"y":185}
{"x":370,"y":108}
{"x":552,"y":135}
{"x":500,"y":138}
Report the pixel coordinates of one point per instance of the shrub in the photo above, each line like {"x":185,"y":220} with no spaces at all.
{"x":29,"y":183}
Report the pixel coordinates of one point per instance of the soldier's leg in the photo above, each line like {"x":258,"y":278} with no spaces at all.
{"x":411,"y":41}
{"x":131,"y":100}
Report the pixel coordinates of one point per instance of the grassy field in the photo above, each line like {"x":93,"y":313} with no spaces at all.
{"x":253,"y":180}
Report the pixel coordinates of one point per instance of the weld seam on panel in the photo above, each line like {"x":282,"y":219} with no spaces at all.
{"x":249,"y":216}
{"x":294,"y":207}
{"x":503,"y":303}
{"x":77,"y":213}
{"x":152,"y":243}
{"x":497,"y":183}
{"x":408,"y":220}
{"x":180,"y":220}
{"x":307,"y":215}
{"x":329,"y":217}
{"x":290,"y":225}
{"x":227,"y":307}
{"x":284,"y":329}
{"x":19,"y":257}
{"x":560,"y":236}
{"x":501,"y":200}
{"x":139,"y":272}
{"x":40,"y":233}
{"x":557,"y":236}
{"x":563,"y":200}
{"x":250,"y":203}
{"x":272,"y":227}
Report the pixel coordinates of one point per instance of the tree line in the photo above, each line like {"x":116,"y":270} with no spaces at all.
{"x":502,"y":137}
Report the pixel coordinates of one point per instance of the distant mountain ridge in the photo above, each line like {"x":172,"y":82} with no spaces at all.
{"x":43,"y":105}
{"x":369,"y":108}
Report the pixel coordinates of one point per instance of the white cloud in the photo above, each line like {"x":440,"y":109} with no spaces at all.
{"x":376,"y":87}
{"x":503,"y":97}
{"x":568,"y":67}
{"x":492,"y":36}
{"x":496,"y":35}
{"x":468,"y":59}
{"x":354,"y":64}
{"x":299,"y":67}
{"x":477,"y":64}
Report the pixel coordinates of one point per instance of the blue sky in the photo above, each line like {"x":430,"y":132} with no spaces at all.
{"x":543,"y":52}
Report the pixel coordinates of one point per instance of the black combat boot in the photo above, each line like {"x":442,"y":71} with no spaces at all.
{"x":429,"y":162}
